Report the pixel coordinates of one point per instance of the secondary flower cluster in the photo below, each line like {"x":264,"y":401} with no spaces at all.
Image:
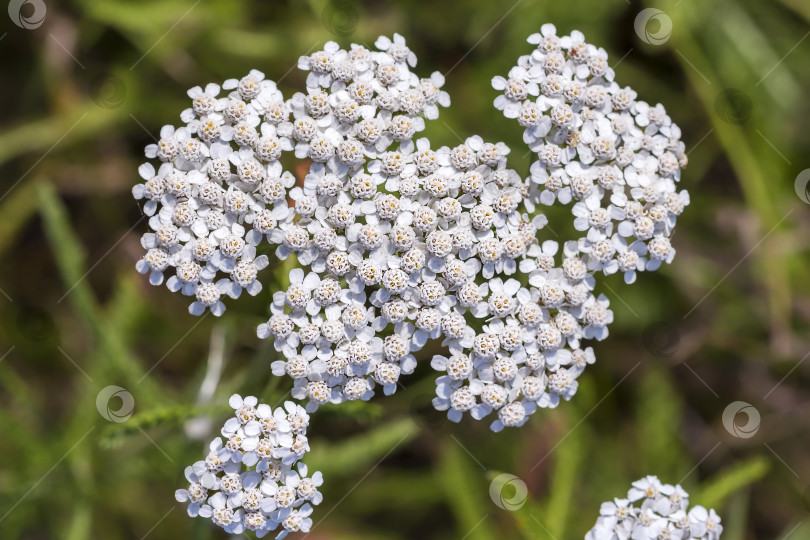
{"x":255,"y":479}
{"x":618,"y":159}
{"x":220,"y":188}
{"x":398,"y":242}
{"x":654,"y":511}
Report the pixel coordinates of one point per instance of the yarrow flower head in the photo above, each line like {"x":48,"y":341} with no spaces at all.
{"x":253,"y":477}
{"x":654,"y":511}
{"x":399,"y":242}
{"x":219,"y":191}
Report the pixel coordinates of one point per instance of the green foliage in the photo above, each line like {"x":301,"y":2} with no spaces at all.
{"x":717,"y":489}
{"x":360,"y":453}
{"x":737,"y":292}
{"x":658,"y":415}
{"x":116,"y":435}
{"x":465,"y":492}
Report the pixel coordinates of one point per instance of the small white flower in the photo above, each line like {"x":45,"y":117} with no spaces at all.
{"x":255,"y":480}
{"x":653,"y":511}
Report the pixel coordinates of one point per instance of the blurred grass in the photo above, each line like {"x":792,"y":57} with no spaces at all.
{"x":734,"y":306}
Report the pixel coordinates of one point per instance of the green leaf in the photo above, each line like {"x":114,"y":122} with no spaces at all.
{"x":115,"y":434}
{"x":17,"y":207}
{"x":658,"y":416}
{"x":82,"y":120}
{"x":735,"y":516}
{"x":530,"y":527}
{"x":564,"y":482}
{"x":361,"y":452}
{"x":70,"y":255}
{"x":465,"y":496}
{"x":716,"y":490}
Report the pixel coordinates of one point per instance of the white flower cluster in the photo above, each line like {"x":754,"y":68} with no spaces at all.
{"x":399,"y":243}
{"x":619,"y":159}
{"x":255,"y":479}
{"x":221,"y":188}
{"x":655,"y":511}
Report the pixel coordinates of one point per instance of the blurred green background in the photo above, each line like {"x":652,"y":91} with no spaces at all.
{"x":85,"y":91}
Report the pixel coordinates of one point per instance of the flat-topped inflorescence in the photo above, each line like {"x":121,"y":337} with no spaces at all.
{"x":398,"y":242}
{"x":253,"y":477}
{"x":652,"y":511}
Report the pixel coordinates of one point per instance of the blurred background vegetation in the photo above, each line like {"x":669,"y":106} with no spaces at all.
{"x":84,"y":92}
